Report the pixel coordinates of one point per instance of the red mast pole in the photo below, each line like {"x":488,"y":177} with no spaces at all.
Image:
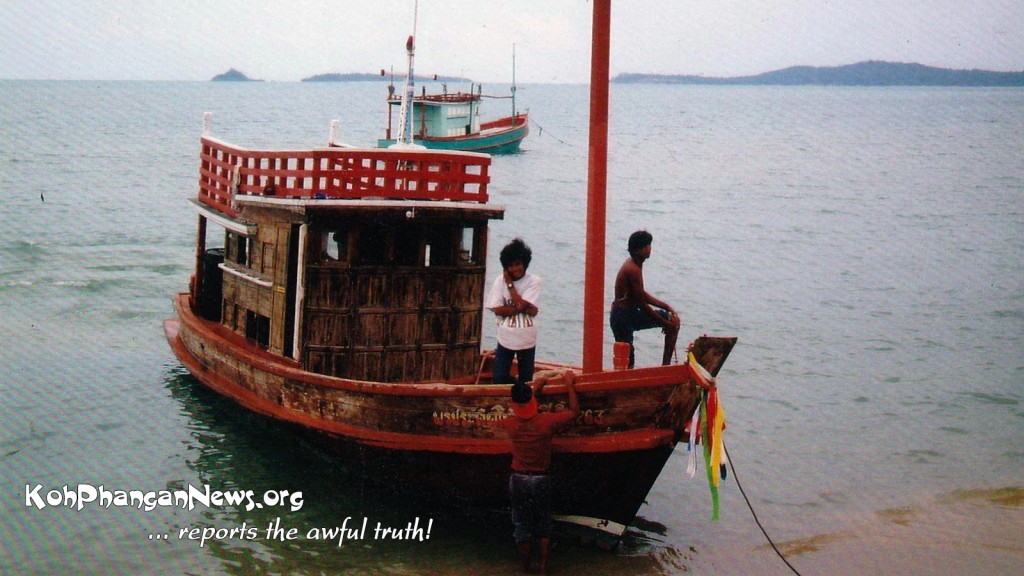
{"x":597,"y":184}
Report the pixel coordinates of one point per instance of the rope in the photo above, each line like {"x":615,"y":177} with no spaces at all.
{"x":732,"y":465}
{"x":541,"y":128}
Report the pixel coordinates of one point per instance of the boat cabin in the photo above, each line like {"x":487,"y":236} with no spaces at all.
{"x":441,"y":115}
{"x":361,"y":264}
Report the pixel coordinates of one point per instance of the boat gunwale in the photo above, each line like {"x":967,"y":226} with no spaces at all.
{"x":637,"y":439}
{"x":647,"y":377}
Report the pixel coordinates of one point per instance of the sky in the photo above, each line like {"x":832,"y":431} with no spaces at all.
{"x":287,"y":40}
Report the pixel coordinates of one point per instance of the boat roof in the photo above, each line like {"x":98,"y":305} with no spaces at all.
{"x":441,"y":99}
{"x":424,"y":207}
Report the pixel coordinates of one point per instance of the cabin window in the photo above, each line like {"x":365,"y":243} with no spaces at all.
{"x":257,"y":328}
{"x":372,"y":245}
{"x":335,"y":246}
{"x":237,"y":248}
{"x":440,"y":246}
{"x":467,"y":246}
{"x":407,"y":246}
{"x":457,"y":111}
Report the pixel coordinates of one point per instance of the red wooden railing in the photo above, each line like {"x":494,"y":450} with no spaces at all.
{"x":226,"y":171}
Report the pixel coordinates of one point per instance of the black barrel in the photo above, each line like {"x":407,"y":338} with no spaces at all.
{"x":210,"y":289}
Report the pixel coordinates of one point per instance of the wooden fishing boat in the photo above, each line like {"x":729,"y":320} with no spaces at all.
{"x":347,"y":299}
{"x":451,"y":121}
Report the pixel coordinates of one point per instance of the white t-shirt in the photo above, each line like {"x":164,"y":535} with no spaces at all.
{"x":517,"y":332}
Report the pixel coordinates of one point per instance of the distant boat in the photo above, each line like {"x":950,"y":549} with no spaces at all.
{"x":451,"y":121}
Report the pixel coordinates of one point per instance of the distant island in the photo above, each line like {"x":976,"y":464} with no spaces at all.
{"x":350,"y":77}
{"x":232,"y":75}
{"x":364,"y":77}
{"x":871,"y":73}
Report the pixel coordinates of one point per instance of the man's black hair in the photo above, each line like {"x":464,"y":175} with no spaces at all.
{"x":516,"y":251}
{"x":638,"y":240}
{"x":521,"y":393}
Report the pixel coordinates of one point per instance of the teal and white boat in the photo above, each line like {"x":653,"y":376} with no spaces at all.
{"x":451,"y":121}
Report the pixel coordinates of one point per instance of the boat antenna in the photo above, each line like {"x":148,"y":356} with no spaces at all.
{"x":513,"y":83}
{"x":405,"y":115}
{"x":597,"y":187}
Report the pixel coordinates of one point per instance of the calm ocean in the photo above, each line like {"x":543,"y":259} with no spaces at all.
{"x":866,"y":245}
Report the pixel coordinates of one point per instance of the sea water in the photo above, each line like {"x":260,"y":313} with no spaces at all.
{"x":864,"y":244}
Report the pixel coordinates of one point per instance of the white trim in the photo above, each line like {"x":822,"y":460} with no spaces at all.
{"x":363,"y":203}
{"x":237,"y":226}
{"x":613,"y":528}
{"x":235,"y":272}
{"x":300,"y":293}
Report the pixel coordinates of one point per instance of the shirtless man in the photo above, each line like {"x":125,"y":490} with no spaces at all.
{"x":636,"y":309}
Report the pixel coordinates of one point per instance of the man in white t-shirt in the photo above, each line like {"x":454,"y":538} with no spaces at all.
{"x":513,"y":299}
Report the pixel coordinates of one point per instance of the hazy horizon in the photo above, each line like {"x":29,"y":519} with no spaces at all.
{"x":274,"y":40}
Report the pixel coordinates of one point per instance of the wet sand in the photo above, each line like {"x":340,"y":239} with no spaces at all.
{"x":963,"y":532}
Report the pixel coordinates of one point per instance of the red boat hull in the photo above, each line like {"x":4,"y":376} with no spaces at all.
{"x":444,"y":440}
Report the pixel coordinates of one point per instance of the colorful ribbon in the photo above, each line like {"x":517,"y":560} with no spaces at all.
{"x":713,"y":416}
{"x":709,"y":422}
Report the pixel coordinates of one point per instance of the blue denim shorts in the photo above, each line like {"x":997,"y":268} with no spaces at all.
{"x":625,"y":321}
{"x":531,"y":506}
